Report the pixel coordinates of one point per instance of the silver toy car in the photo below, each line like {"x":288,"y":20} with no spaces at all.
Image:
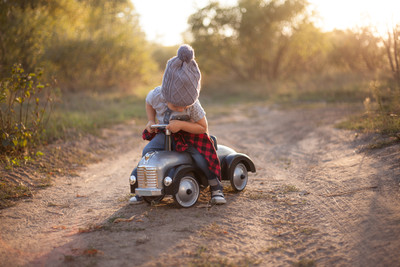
{"x":168,"y":172}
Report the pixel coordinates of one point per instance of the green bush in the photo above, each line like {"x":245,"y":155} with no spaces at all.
{"x":382,"y":112}
{"x":24,"y":109}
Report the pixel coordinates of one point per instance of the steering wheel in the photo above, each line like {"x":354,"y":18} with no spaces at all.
{"x":158,"y":126}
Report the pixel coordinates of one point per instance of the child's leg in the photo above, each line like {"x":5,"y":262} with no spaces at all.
{"x":217,"y":196}
{"x":201,"y":162}
{"x":156,"y":144}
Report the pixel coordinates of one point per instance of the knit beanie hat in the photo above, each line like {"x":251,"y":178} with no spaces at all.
{"x":181,"y":81}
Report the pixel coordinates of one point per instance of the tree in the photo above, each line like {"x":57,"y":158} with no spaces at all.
{"x":251,"y":40}
{"x":307,"y":51}
{"x":392,"y":45}
{"x":86,"y":44}
{"x":356,"y":50}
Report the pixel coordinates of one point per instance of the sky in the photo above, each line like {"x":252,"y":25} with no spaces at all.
{"x":164,"y":21}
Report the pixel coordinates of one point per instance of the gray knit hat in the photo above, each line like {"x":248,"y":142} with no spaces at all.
{"x":181,"y":81}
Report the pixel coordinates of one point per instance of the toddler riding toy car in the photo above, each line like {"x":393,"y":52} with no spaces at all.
{"x":168,"y":172}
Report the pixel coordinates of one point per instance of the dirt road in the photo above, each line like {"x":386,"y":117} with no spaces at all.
{"x":318,"y":199}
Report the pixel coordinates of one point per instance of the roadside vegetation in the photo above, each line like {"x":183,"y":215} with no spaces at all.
{"x":70,"y":68}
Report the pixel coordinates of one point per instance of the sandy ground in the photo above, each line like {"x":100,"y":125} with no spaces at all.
{"x":318,"y":199}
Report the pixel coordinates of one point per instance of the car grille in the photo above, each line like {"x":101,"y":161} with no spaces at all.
{"x":147,"y":177}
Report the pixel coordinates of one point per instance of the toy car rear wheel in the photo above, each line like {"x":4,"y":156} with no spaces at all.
{"x":154,"y":199}
{"x":239,"y":177}
{"x":188,"y":192}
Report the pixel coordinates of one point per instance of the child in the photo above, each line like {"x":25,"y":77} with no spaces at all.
{"x":179,"y":94}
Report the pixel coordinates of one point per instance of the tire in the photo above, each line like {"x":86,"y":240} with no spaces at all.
{"x":188,"y":192}
{"x":239,"y":176}
{"x":151,"y":200}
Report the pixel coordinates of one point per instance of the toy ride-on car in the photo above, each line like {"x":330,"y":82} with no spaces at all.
{"x":168,"y":172}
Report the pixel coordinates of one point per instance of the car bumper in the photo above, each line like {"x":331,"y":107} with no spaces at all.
{"x":148,"y":192}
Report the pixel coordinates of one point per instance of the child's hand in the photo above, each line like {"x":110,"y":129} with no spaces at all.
{"x":174,"y":126}
{"x":148,"y":128}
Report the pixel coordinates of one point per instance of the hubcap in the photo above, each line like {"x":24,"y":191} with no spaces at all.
{"x":188,"y":191}
{"x":240,"y":177}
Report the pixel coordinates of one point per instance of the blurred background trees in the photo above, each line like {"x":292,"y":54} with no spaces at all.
{"x":84,"y":45}
{"x":97,"y":44}
{"x":275,"y":40}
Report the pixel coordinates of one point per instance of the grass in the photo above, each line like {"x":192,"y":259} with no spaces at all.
{"x":289,"y":189}
{"x":83,"y":113}
{"x":277,"y":246}
{"x":381,"y":116}
{"x":383,"y":124}
{"x":329,"y":88}
{"x":9,"y":191}
{"x":305,"y":263}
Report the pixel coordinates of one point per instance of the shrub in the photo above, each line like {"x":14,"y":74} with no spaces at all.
{"x":382,"y":112}
{"x":25,"y":105}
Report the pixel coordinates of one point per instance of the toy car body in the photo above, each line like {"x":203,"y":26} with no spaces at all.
{"x":174,"y":173}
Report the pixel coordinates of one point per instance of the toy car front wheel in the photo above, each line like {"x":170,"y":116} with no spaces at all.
{"x":239,"y":177}
{"x":188,"y":192}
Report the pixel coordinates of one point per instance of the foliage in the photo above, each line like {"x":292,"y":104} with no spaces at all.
{"x":161,"y":54}
{"x":357,"y":50}
{"x":256,"y":39}
{"x":25,"y":105}
{"x":392,"y":45}
{"x":277,"y":40}
{"x":88,"y":45}
{"x":22,"y":37}
{"x":8,"y":191}
{"x":82,"y":113}
{"x":382,"y":111}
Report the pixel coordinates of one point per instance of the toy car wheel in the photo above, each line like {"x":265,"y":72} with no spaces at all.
{"x":188,"y":192}
{"x":239,"y":177}
{"x":151,"y":200}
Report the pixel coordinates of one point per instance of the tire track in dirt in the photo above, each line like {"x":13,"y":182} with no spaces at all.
{"x":350,"y":172}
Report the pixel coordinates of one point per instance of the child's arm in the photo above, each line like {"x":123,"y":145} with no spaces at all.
{"x":151,"y":117}
{"x":198,"y":127}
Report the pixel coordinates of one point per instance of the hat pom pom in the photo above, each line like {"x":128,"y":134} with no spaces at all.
{"x":185,"y":53}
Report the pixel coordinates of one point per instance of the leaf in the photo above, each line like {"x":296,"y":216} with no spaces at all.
{"x":118,"y":220}
{"x":92,"y":252}
{"x":61,"y":227}
{"x":24,"y":143}
{"x":5,"y":143}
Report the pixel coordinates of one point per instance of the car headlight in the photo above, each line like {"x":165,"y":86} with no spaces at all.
{"x":132,"y":179}
{"x":167,"y":181}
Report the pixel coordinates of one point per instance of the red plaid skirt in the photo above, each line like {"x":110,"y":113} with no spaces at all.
{"x":201,"y":142}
